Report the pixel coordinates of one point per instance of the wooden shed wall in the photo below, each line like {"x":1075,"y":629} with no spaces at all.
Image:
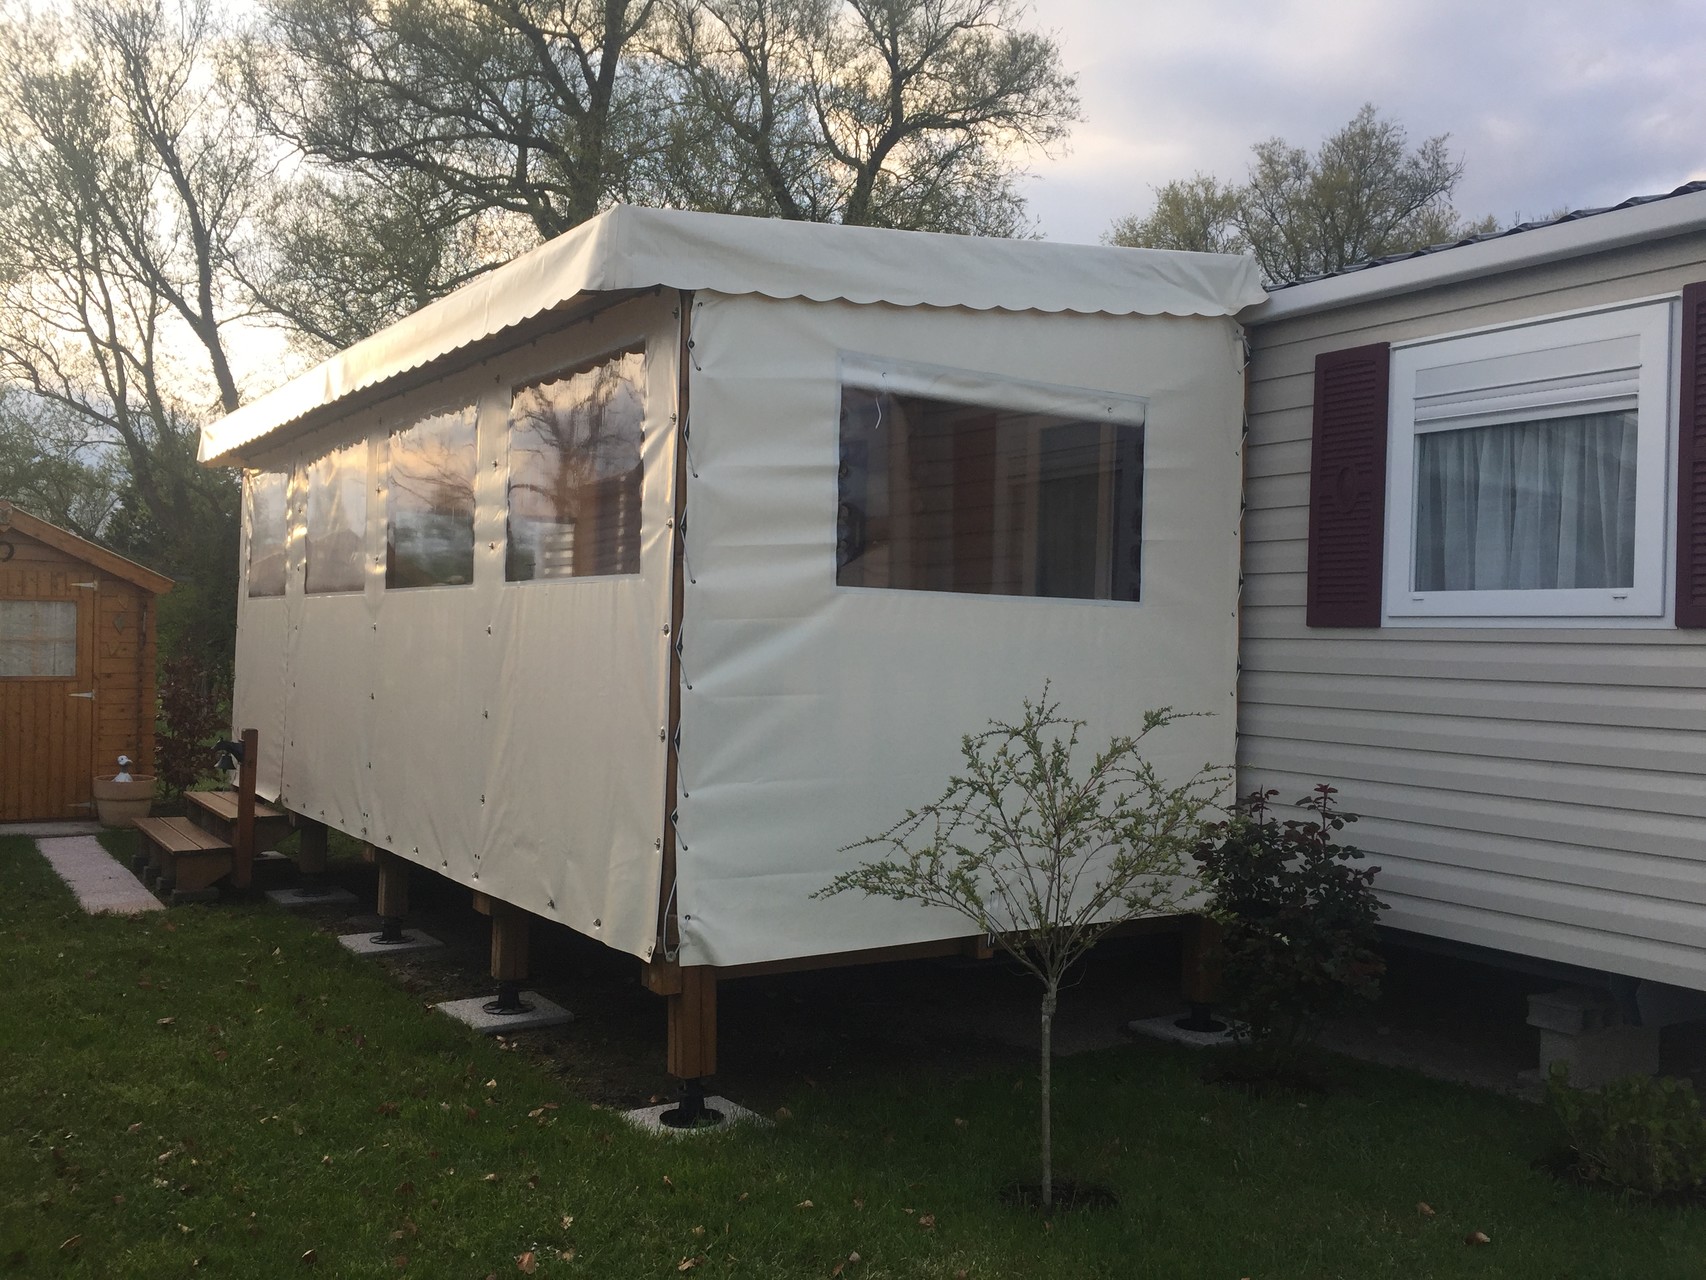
{"x":1541,"y":791}
{"x":116,"y":660}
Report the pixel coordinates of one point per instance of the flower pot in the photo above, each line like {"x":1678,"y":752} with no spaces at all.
{"x":118,"y":804}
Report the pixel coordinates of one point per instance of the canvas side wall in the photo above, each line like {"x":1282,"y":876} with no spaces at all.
{"x":1537,"y":790}
{"x":506,"y":734}
{"x":815,"y":714}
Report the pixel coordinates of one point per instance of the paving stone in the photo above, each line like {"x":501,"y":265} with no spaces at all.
{"x":363,"y":944}
{"x":544,"y":1013}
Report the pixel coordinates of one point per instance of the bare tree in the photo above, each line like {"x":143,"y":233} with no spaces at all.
{"x":1364,"y":194}
{"x":123,"y":200}
{"x":1043,"y":857}
{"x":902,"y":113}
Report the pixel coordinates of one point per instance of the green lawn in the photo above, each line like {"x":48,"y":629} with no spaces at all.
{"x":219,"y":1091}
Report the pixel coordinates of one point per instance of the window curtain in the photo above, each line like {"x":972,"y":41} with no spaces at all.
{"x":1540,"y":505}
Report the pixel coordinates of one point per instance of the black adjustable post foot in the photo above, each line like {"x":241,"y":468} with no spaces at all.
{"x":1201,"y":1019}
{"x":509,"y":1000}
{"x":315,"y":886}
{"x":390,"y":932}
{"x":691,"y":1113}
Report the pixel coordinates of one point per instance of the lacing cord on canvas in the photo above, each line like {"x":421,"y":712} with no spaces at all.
{"x":670,"y":956}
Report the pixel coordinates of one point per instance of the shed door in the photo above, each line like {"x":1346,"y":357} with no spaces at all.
{"x":46,"y":662}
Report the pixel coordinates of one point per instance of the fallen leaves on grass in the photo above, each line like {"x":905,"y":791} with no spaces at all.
{"x":1424,"y":1208}
{"x":71,"y":1245}
{"x":1477,"y":1237}
{"x":527,"y":1264}
{"x":805,"y":1204}
{"x":388,"y":1109}
{"x":927,"y":1221}
{"x":309,"y":1257}
{"x":687,"y":1264}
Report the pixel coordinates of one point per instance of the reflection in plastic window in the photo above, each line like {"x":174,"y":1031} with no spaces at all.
{"x":574,"y":473}
{"x":337,"y":520}
{"x":429,"y":532}
{"x":937,"y":495}
{"x":38,"y":638}
{"x":264,"y":515}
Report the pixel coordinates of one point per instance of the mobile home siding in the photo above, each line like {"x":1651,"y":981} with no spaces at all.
{"x":1540,"y":791}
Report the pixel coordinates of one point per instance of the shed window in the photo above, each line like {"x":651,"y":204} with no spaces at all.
{"x":1024,"y":491}
{"x":337,"y":520}
{"x":574,"y":472}
{"x":264,"y":515}
{"x":38,"y":638}
{"x":429,"y":531}
{"x":1527,"y":473}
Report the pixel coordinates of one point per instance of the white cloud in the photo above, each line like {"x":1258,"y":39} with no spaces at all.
{"x":1551,"y":104}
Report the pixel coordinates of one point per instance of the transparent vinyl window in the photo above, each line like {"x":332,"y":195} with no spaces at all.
{"x":264,"y":514}
{"x":574,"y":472}
{"x":38,"y":638}
{"x":937,"y":495}
{"x":429,"y":527}
{"x":337,"y":520}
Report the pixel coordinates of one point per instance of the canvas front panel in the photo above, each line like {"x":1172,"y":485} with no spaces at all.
{"x":505,"y":734}
{"x":814,"y":715}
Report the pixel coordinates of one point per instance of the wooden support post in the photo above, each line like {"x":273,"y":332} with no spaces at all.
{"x":311,"y":847}
{"x":509,"y":943}
{"x":243,"y":848}
{"x":1199,"y":960}
{"x":393,"y":885}
{"x":693,"y":1024}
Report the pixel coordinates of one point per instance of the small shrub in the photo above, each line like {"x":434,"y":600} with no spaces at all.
{"x":1300,"y":920}
{"x":192,"y":719}
{"x":1642,"y":1135}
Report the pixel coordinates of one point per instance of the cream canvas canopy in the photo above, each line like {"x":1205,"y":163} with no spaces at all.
{"x":730,"y":690}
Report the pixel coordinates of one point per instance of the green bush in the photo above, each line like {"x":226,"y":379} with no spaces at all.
{"x":1640,"y":1134}
{"x":1300,"y":920}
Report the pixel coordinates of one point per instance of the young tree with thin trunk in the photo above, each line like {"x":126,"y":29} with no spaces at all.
{"x":1044,"y":852}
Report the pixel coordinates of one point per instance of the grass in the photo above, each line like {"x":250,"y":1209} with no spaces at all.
{"x":220,"y":1091}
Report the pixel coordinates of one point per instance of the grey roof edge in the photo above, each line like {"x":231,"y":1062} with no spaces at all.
{"x":1584,"y":231}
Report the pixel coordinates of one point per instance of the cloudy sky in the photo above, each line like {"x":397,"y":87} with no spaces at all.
{"x":1549,"y":105}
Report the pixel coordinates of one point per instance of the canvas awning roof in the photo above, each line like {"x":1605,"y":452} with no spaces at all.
{"x":628,"y":248}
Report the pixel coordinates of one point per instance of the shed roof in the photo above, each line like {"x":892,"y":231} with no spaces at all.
{"x":109,"y":562}
{"x":628,"y":248}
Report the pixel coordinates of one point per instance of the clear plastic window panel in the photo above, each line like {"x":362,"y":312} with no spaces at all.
{"x":337,"y":520}
{"x":264,"y":514}
{"x":1537,"y":505}
{"x":574,"y":473}
{"x":38,"y":638}
{"x":941,"y":496}
{"x":429,"y":529}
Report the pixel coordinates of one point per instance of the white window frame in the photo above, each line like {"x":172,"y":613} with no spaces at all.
{"x":1535,"y":380}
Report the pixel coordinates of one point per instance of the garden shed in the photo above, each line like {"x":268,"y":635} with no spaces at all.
{"x":76,"y":667}
{"x":1476,"y":581}
{"x":630,"y":583}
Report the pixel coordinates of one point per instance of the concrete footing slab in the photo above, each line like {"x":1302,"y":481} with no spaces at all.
{"x":1167,"y":1029}
{"x":95,"y":876}
{"x":472,"y":1012}
{"x":650,"y":1119}
{"x":364,"y":944}
{"x":311,"y":897}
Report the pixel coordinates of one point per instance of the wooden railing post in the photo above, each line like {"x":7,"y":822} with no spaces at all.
{"x":243,"y":849}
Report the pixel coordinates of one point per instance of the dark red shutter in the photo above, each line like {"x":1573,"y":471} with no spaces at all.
{"x":1347,"y":487}
{"x":1691,"y":464}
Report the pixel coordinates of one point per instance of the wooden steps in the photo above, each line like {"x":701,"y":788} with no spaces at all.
{"x":216,"y":813}
{"x":225,"y":837}
{"x":183,"y":858}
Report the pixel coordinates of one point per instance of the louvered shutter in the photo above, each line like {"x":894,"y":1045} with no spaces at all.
{"x":1347,"y":487}
{"x":1691,"y":464}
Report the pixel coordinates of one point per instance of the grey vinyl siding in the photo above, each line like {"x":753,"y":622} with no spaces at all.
{"x":1537,"y":790}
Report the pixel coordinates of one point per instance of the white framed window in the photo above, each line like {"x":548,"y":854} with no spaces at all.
{"x":1528,"y":473}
